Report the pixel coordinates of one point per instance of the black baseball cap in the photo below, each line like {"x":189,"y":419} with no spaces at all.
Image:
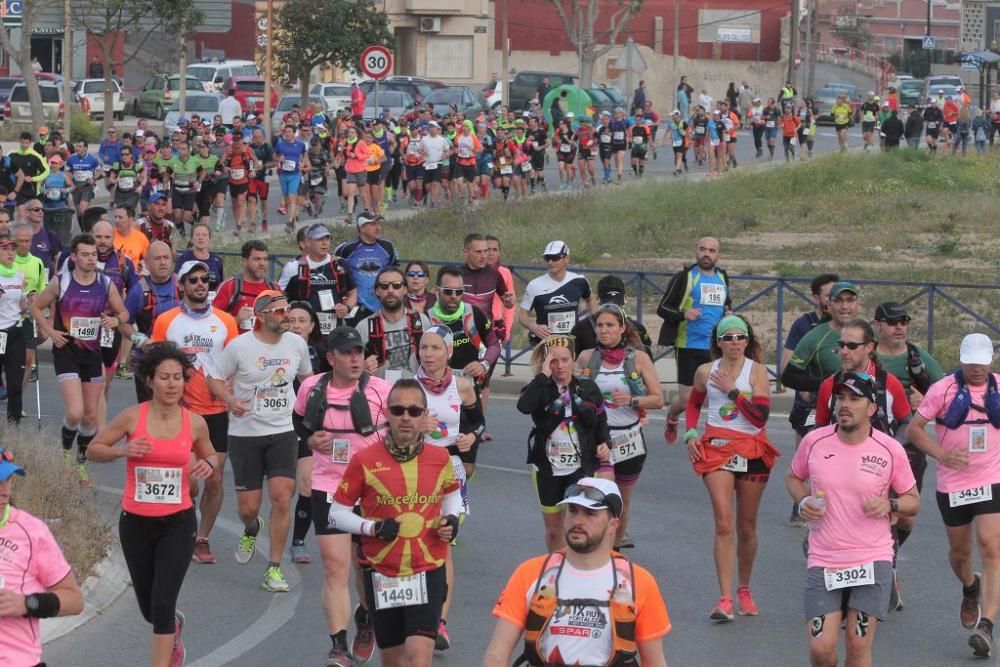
{"x":611,"y":289}
{"x":343,"y":339}
{"x":860,"y":384}
{"x":890,"y":310}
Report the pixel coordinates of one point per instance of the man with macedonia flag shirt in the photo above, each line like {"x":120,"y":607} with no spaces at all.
{"x":410,"y":501}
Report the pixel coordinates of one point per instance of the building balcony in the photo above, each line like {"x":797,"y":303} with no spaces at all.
{"x":431,"y":7}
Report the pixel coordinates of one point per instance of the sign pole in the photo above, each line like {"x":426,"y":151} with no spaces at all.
{"x":67,"y":72}
{"x":377,"y":107}
{"x":268,"y":70}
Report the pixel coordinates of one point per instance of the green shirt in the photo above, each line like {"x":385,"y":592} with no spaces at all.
{"x":817,"y":353}
{"x":897,"y":365}
{"x":184,"y":172}
{"x":33,"y":270}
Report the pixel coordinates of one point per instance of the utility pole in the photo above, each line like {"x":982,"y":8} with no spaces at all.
{"x":927,"y":32}
{"x":268,"y":72}
{"x":504,"y":56}
{"x":182,"y":76}
{"x":67,"y":71}
{"x":793,"y":39}
{"x":810,"y":49}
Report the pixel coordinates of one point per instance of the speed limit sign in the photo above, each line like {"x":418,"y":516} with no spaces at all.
{"x":376,"y":61}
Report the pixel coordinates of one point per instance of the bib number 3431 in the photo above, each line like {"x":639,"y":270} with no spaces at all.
{"x":977,"y":494}
{"x":847,"y":577}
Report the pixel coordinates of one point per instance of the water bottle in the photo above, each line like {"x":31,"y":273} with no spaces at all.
{"x":818,"y":500}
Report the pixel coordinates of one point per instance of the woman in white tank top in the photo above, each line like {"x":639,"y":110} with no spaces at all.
{"x":457,"y":416}
{"x":628,"y":394}
{"x":733,"y":456}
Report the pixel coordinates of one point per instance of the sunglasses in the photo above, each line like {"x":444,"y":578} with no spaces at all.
{"x":849,"y":345}
{"x":553,"y":258}
{"x":394,"y":284}
{"x":35,"y":209}
{"x":194,"y":280}
{"x":400,"y":410}
{"x":452,"y":291}
{"x":897,"y":321}
{"x":280,"y":310}
{"x":416,"y":274}
{"x":595,"y":495}
{"x":729,"y":338}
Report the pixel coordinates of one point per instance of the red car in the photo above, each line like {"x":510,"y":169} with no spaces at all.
{"x":250,"y":93}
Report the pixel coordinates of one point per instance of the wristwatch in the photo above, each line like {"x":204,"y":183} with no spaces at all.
{"x":733,"y":395}
{"x":31,"y":604}
{"x":893,"y":505}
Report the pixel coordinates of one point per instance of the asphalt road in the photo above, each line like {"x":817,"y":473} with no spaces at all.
{"x":232,"y":621}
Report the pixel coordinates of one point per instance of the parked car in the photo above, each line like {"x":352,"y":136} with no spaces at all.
{"x":826,"y":97}
{"x":157,"y":94}
{"x":93,"y":91}
{"x":212,"y":74}
{"x":524,"y":86}
{"x":250,"y":92}
{"x":396,"y":101}
{"x":417,"y":87}
{"x":943,"y":80}
{"x":285,"y":105}
{"x":6,"y":84}
{"x":601,"y":101}
{"x":463,"y":98}
{"x":205,"y":105}
{"x":909,"y":91}
{"x":617,"y":96}
{"x":937,"y":89}
{"x":18,"y":108}
{"x":335,"y":95}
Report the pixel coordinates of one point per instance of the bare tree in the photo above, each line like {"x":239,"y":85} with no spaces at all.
{"x":578,"y":19}
{"x":21,"y":54}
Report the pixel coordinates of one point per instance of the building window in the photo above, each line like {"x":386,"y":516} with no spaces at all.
{"x":449,"y":57}
{"x":890,"y":45}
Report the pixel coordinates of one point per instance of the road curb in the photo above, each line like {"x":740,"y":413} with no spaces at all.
{"x":100,"y":590}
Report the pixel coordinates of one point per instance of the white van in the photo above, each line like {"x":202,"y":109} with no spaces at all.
{"x":214,"y":73}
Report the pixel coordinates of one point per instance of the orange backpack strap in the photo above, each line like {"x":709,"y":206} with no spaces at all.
{"x":541,"y":610}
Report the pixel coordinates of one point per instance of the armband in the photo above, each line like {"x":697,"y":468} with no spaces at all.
{"x":42,"y":605}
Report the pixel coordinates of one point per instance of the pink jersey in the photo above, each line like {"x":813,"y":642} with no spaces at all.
{"x":984,"y":466}
{"x":848,"y":475}
{"x":329,"y":468}
{"x":30,"y":562}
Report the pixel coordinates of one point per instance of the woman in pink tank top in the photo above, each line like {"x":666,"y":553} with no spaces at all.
{"x":164,"y":445}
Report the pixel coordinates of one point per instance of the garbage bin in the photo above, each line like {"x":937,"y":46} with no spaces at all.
{"x":60,"y":220}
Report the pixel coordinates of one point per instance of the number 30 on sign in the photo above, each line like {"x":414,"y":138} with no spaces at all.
{"x":376,"y":61}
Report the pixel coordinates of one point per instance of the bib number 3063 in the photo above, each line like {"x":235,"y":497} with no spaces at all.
{"x":392,"y":592}
{"x":977,"y":494}
{"x":847,"y":577}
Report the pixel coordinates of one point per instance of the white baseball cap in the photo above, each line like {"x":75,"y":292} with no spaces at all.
{"x":596,"y":494}
{"x":977,"y":349}
{"x":555,"y":248}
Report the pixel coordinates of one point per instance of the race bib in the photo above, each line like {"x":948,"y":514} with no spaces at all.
{"x":627,"y":444}
{"x":126,"y":183}
{"x":107,"y":337}
{"x":977,"y":494}
{"x":561,"y":322}
{"x":3,"y":343}
{"x":288,"y":165}
{"x":638,"y":140}
{"x":736,"y":464}
{"x":677,"y":143}
{"x":769,"y":123}
{"x":507,"y":169}
{"x":464,"y":153}
{"x":53,"y":193}
{"x":489,"y":165}
{"x":563,"y":455}
{"x":315,"y":180}
{"x":699,"y":130}
{"x":158,"y":485}
{"x":327,"y":322}
{"x":713,"y":295}
{"x":931,"y":126}
{"x":271,"y":401}
{"x":605,"y":139}
{"x":82,"y":176}
{"x":248,"y":323}
{"x":618,"y":136}
{"x":848,"y":577}
{"x":430,"y":166}
{"x":393,"y":592}
{"x":211,"y":297}
{"x":565,"y":148}
{"x":340,"y":452}
{"x":326,"y":300}
{"x":237,"y":174}
{"x":977,"y":439}
{"x":155,"y":187}
{"x":84,"y":328}
{"x":793,"y":141}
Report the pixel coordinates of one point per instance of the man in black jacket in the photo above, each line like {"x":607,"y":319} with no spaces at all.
{"x":892,"y":130}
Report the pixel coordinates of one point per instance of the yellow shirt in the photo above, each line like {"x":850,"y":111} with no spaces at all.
{"x":375,"y":157}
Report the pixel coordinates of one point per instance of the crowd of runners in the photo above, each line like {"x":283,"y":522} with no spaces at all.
{"x":354,"y":392}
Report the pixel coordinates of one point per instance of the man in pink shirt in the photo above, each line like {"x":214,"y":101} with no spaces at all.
{"x":35,"y":579}
{"x":966,"y":407}
{"x":850,"y":468}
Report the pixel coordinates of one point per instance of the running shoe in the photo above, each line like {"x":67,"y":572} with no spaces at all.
{"x":670,"y":432}
{"x":220,"y":225}
{"x":81,"y":472}
{"x":247,"y":545}
{"x":34,"y":374}
{"x":338,"y":657}
{"x":747,"y":606}
{"x":795,"y":520}
{"x":123,"y":374}
{"x":282,"y":210}
{"x":723,"y":611}
{"x":363,"y":646}
{"x":299,"y":554}
{"x":274,"y":580}
{"x":203,"y":552}
{"x":969,"y":611}
{"x":981,"y":641}
{"x":895,"y":596}
{"x":179,"y":653}
{"x":442,"y":642}
{"x":263,"y":226}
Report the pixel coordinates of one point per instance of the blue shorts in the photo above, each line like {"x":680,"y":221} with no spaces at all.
{"x":289,"y":182}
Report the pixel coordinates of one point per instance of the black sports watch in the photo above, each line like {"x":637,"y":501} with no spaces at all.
{"x":31,"y":604}
{"x":893,"y":504}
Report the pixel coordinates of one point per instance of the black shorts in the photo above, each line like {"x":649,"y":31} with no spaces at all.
{"x":566,"y":157}
{"x":374,"y":177}
{"x":454,"y":171}
{"x":83,"y":193}
{"x":552,"y":489}
{"x":321,"y":515}
{"x":868,"y":126}
{"x":468,"y":172}
{"x":238,"y":189}
{"x":843,"y":128}
{"x":257,"y":456}
{"x":757,"y":471}
{"x":618,"y":147}
{"x":128,"y":198}
{"x":537,"y":162}
{"x":963,"y":515}
{"x":304,"y":449}
{"x":688,"y":360}
{"x":414,"y":172}
{"x":433,"y":175}
{"x":109,"y":355}
{"x":918,"y":464}
{"x":218,"y":431}
{"x":183,"y":200}
{"x":934,"y":134}
{"x":73,"y":363}
{"x":394,"y":625}
{"x":28,"y":328}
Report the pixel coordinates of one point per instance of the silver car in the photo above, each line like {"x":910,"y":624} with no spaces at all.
{"x":285,"y":105}
{"x":205,"y":105}
{"x":396,"y":101}
{"x":336,"y":95}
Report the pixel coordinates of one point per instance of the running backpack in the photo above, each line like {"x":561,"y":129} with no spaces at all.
{"x":317,"y":405}
{"x":631,"y":377}
{"x":958,"y":410}
{"x":376,"y":335}
{"x":304,"y":286}
{"x":238,"y":292}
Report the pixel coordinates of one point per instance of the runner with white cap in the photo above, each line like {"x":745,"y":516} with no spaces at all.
{"x":966,"y":408}
{"x":555,"y":298}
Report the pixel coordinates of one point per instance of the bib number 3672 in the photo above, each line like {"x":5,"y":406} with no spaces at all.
{"x":392,"y":592}
{"x":846,"y":577}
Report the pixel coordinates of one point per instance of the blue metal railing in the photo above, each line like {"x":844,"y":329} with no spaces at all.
{"x":652,"y":284}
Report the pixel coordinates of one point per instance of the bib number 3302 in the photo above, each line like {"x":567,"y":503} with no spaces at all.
{"x":847,"y":577}
{"x":392,"y":592}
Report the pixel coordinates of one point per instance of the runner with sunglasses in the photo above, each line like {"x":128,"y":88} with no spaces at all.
{"x":734,"y":456}
{"x":562,"y":602}
{"x":340,"y":414}
{"x":202,"y":332}
{"x":556,"y":298}
{"x":409,"y":501}
{"x":630,"y":387}
{"x":418,"y":298}
{"x":392,"y":335}
{"x":321,"y":279}
{"x":253,"y":377}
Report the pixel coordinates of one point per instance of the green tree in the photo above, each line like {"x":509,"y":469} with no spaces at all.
{"x":309,"y":33}
{"x":111,"y":20}
{"x":579,"y":19}
{"x":21,"y":54}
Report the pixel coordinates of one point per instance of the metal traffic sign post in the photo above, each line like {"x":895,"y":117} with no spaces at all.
{"x":376,"y":62}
